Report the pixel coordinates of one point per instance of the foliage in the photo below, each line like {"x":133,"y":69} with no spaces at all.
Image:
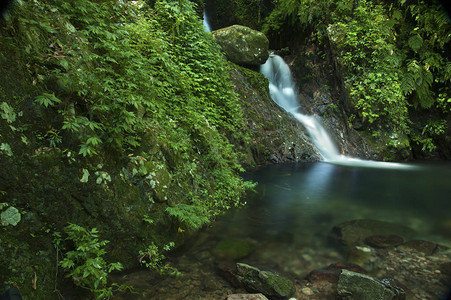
{"x":395,"y":54}
{"x":113,"y":72}
{"x":190,"y":216}
{"x":152,"y":258}
{"x":366,"y":49}
{"x":10,"y":216}
{"x":85,"y":264}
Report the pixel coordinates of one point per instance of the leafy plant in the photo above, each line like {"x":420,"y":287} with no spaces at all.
{"x":152,"y":258}
{"x":86,"y":265}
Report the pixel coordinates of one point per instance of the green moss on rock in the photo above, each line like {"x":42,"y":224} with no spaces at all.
{"x":232,"y":249}
{"x":243,"y":45}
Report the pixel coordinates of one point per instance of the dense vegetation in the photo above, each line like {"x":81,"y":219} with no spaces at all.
{"x":395,"y":58}
{"x":119,"y":120}
{"x":127,"y":102}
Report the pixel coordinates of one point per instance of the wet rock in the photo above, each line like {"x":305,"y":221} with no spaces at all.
{"x":426,"y":247}
{"x":359,"y":255}
{"x":242,"y":45}
{"x":232,"y":249}
{"x":227,"y":270}
{"x":350,"y":232}
{"x":322,"y":275}
{"x":246,"y":297}
{"x":348,"y":266}
{"x":266,"y":282}
{"x":332,"y":272}
{"x":356,"y":286}
{"x":384,"y":241}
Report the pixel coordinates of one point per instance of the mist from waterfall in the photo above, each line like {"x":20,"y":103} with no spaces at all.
{"x":283,"y":92}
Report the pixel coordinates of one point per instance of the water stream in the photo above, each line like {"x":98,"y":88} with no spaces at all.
{"x":283,"y":92}
{"x":206,"y":22}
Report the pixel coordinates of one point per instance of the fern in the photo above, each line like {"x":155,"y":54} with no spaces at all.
{"x":191,"y":216}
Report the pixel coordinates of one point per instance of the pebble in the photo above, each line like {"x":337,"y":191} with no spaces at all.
{"x":307,"y":291}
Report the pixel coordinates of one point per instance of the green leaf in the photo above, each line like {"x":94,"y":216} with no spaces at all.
{"x":10,"y":216}
{"x":415,"y":42}
{"x":85,"y":176}
{"x":6,"y":148}
{"x":47,"y":100}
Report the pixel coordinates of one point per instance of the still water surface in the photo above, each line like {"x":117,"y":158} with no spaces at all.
{"x":305,"y":200}
{"x":290,"y":215}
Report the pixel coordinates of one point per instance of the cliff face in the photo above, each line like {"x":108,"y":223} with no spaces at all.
{"x":275,"y":137}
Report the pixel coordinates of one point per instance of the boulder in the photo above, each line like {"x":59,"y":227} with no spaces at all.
{"x":356,"y":286}
{"x":243,"y":45}
{"x":350,"y":232}
{"x":268,"y":283}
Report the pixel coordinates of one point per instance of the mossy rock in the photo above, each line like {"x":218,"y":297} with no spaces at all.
{"x":268,"y":283}
{"x":356,"y":286}
{"x":242,"y":45}
{"x":232,"y":249}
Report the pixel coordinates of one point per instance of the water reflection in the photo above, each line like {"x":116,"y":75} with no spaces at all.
{"x":309,"y":199}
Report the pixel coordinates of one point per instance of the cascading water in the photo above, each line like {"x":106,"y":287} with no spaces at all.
{"x":282,"y":90}
{"x":206,"y":22}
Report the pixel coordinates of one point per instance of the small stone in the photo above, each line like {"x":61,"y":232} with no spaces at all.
{"x":307,"y":291}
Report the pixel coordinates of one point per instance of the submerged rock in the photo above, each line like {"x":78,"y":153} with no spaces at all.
{"x":384,"y":241}
{"x":332,"y":272}
{"x":347,"y":233}
{"x":242,"y":45}
{"x":426,"y":247}
{"x":266,"y":282}
{"x":232,"y":249}
{"x":356,"y":286}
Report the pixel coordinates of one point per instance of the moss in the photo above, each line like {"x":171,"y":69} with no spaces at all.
{"x":281,"y":285}
{"x":232,"y":249}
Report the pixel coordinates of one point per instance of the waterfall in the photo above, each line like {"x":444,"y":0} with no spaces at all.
{"x":206,"y":22}
{"x":283,"y":92}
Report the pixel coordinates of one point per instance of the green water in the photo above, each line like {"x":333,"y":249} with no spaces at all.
{"x":287,"y":221}
{"x":305,"y":200}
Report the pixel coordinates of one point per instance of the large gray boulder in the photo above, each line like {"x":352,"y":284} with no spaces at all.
{"x":243,"y":45}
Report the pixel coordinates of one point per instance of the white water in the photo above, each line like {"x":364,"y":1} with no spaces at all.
{"x":283,"y":92}
{"x":206,"y":22}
